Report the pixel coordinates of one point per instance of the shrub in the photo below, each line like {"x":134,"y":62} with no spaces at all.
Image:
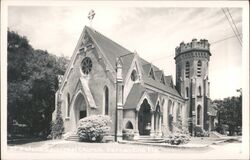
{"x":93,"y":128}
{"x":178,"y":138}
{"x":199,"y":132}
{"x":128,"y":134}
{"x":57,"y":127}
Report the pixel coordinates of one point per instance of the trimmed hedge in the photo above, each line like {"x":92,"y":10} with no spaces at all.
{"x":93,"y":128}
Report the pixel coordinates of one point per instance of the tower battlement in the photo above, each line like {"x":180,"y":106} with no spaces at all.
{"x":199,"y":45}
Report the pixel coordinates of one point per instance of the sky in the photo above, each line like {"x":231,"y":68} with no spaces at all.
{"x":153,"y":33}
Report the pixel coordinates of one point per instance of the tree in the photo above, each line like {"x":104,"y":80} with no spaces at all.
{"x":32,"y":83}
{"x":230,"y":113}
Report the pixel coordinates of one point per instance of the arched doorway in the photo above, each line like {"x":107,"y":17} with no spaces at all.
{"x":80,"y":108}
{"x":144,"y":118}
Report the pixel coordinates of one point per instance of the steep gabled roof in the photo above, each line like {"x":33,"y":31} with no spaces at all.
{"x":113,"y":50}
{"x":158,"y":75}
{"x":134,"y":96}
{"x":169,"y":80}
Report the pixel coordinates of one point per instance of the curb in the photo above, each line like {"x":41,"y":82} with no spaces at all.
{"x":165,"y":145}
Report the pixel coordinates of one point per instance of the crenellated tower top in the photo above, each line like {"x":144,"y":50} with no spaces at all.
{"x":201,"y":45}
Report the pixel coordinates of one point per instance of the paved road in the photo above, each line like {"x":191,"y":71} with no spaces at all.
{"x":76,"y":150}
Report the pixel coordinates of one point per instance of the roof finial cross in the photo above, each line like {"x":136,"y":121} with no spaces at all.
{"x":91,"y":16}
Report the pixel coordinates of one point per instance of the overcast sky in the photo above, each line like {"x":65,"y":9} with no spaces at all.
{"x":153,"y":32}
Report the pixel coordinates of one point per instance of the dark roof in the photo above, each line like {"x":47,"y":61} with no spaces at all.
{"x":134,"y":96}
{"x":153,"y":97}
{"x":158,"y":75}
{"x":113,"y":50}
{"x":169,"y":80}
{"x":127,"y":60}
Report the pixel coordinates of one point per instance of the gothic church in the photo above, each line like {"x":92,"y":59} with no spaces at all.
{"x":106,"y":78}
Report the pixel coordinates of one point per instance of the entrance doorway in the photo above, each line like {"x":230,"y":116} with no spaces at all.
{"x":80,"y":108}
{"x":144,"y":119}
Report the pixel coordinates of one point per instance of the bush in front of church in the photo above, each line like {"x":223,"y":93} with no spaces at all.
{"x":179,"y":138}
{"x":93,"y":128}
{"x":128,"y":134}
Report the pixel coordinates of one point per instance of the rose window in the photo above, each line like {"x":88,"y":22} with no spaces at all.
{"x":86,"y":65}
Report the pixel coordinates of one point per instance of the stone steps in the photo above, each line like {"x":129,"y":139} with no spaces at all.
{"x":148,"y":139}
{"x":215,"y":135}
{"x":73,"y":137}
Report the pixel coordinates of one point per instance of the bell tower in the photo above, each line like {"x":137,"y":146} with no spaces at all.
{"x":192,"y":61}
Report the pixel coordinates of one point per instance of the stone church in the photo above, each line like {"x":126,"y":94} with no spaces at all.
{"x":105,"y":78}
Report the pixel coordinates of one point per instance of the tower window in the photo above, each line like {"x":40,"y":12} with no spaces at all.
{"x":187,"y":71}
{"x":199,"y":64}
{"x":187,"y":90}
{"x":199,"y":90}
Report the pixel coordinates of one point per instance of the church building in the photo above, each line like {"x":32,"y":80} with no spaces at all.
{"x":105,"y":78}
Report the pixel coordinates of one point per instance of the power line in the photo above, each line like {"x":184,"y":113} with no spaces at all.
{"x":231,"y":25}
{"x":220,"y":40}
{"x":233,"y":22}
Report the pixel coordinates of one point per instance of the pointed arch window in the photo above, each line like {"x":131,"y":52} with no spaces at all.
{"x":199,"y":90}
{"x":106,"y":100}
{"x":187,"y":70}
{"x":199,"y":65}
{"x":199,"y":115}
{"x":151,"y":73}
{"x":134,"y":75}
{"x":187,"y":91}
{"x":68,"y":105}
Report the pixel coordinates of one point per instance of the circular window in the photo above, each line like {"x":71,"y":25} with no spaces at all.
{"x":86,"y":65}
{"x":133,"y":75}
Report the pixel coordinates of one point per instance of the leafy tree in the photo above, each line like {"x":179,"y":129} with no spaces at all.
{"x":32,"y":83}
{"x":230,"y":113}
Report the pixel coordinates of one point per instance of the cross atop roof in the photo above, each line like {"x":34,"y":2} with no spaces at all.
{"x":91,"y":16}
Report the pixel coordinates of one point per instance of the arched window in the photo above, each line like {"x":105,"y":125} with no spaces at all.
{"x":86,"y":65}
{"x":199,"y":115}
{"x":133,"y":75}
{"x":199,"y":90}
{"x":199,"y":64}
{"x":129,"y":125}
{"x":68,"y":105}
{"x":106,"y":100}
{"x":187,"y":69}
{"x":187,"y":91}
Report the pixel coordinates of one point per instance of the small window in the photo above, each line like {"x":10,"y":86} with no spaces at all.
{"x":151,"y":74}
{"x":187,"y":71}
{"x":86,"y":65}
{"x":199,"y":65}
{"x":162,"y":79}
{"x":134,"y":75}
